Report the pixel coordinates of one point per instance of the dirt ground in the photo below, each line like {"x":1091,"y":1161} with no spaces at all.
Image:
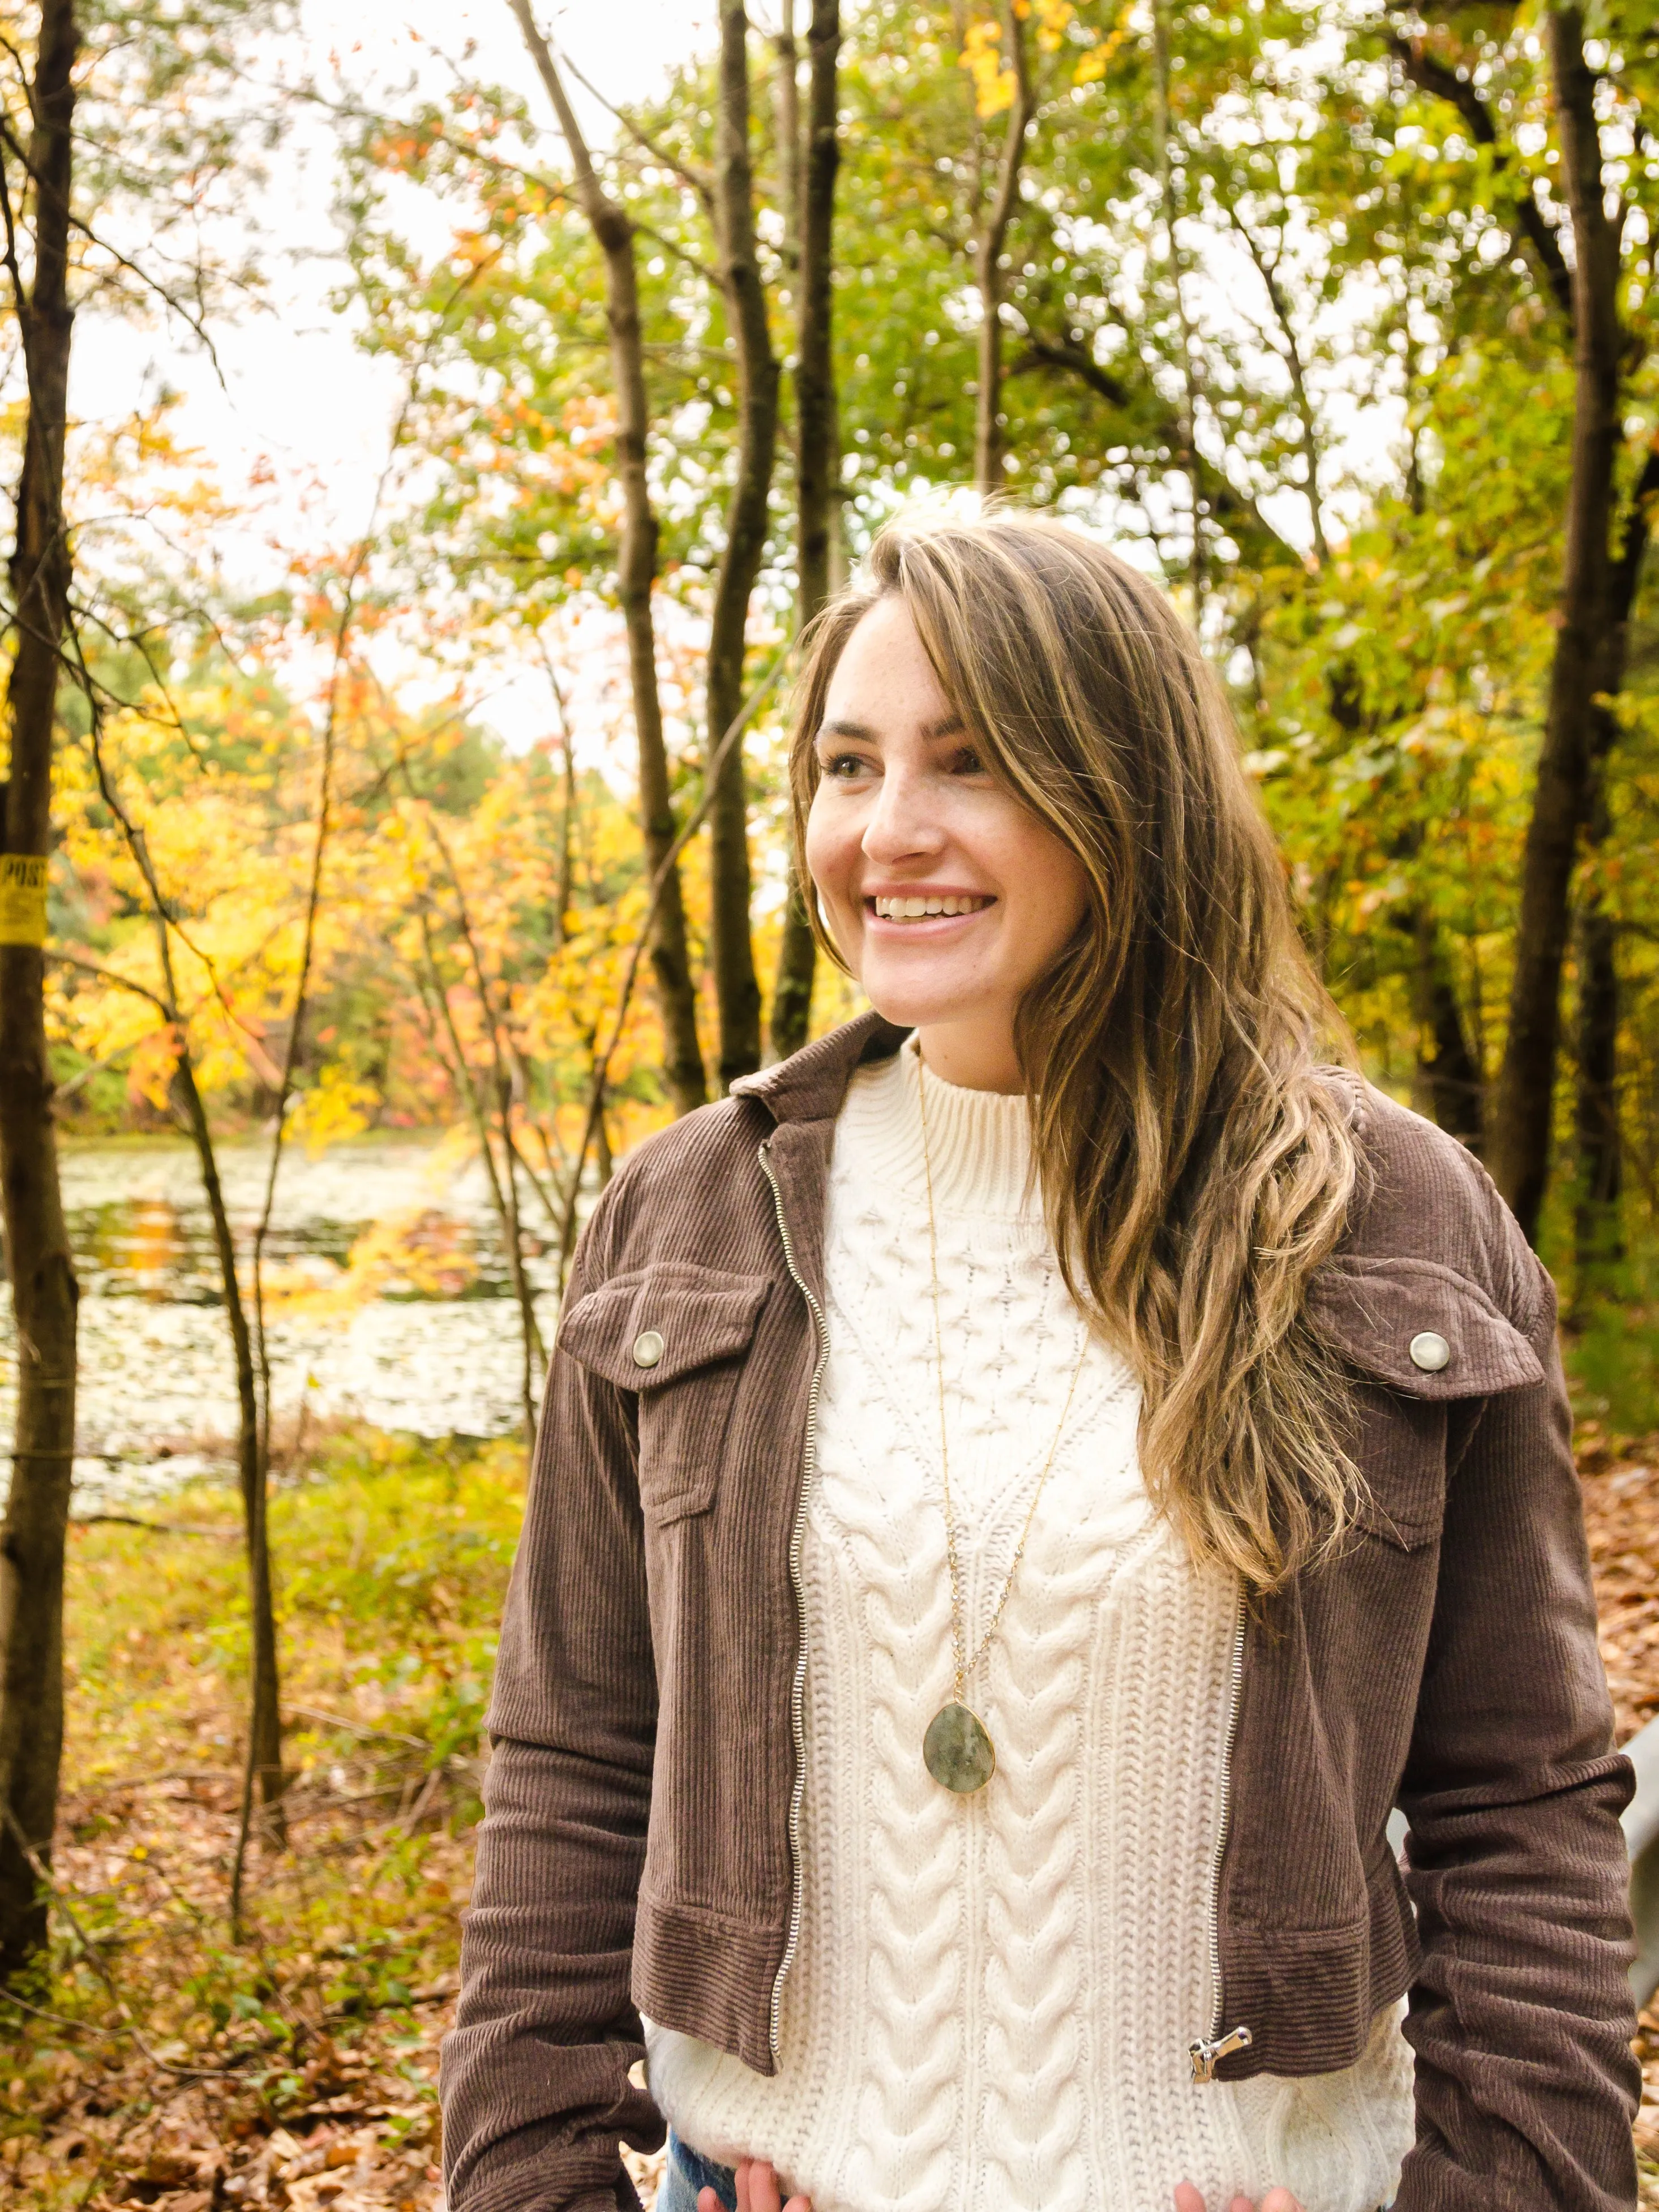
{"x":1621,"y":1515}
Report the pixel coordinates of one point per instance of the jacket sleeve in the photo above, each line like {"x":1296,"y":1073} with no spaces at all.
{"x":1521,"y":2015}
{"x":534,"y":2075}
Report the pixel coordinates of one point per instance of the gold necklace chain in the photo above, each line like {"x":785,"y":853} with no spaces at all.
{"x":963,"y":1661}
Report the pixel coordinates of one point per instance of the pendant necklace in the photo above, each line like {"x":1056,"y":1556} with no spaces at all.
{"x":958,"y":1750}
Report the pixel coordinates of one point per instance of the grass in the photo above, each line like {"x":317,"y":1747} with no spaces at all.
{"x":156,"y":2060}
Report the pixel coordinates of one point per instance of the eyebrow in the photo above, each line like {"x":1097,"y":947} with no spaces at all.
{"x":948,"y":726}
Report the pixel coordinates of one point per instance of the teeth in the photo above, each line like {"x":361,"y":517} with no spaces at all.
{"x":916,"y":909}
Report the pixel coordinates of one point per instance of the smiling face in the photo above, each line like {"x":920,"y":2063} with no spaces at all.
{"x":947,"y":897}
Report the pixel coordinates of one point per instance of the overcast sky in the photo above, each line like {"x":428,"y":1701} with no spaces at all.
{"x":299,"y":399}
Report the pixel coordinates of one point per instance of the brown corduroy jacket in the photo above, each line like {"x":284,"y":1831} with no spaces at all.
{"x":636,"y":1854}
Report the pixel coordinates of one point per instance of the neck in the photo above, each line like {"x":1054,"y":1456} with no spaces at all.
{"x":976,"y":1055}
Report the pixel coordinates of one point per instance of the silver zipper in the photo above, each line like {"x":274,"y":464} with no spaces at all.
{"x":1221,"y":2042}
{"x":798,"y":1694}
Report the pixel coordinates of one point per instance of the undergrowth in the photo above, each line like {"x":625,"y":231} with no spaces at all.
{"x":153,"y":2060}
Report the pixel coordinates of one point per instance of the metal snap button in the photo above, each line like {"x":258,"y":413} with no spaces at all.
{"x":648,"y":1348}
{"x":1428,"y":1350}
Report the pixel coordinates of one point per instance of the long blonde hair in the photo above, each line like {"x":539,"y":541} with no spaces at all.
{"x":1196,"y":1164}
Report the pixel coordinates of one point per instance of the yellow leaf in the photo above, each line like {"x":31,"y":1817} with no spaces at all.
{"x":1053,"y":19}
{"x":981,"y":57}
{"x":1099,"y":59}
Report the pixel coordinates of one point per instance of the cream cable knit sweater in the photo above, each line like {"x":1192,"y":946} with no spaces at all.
{"x":994,"y":1996}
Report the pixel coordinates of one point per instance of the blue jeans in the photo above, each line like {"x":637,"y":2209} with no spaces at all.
{"x":687,"y":2172}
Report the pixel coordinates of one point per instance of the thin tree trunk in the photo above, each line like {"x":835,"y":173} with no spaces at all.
{"x":816,"y":444}
{"x":1449,"y":1075}
{"x":814,"y":376}
{"x":987,"y":264}
{"x":263,"y":1770}
{"x":264,"y":1761}
{"x":1526,"y":1083}
{"x":1194,"y":466}
{"x":737,"y":991}
{"x":1307,"y":421}
{"x":1597,"y":1232}
{"x":498,"y":1030}
{"x":503,"y":1193}
{"x":263,"y":1766}
{"x":637,"y":569}
{"x":566,"y":892}
{"x":43,"y":1289}
{"x":785,"y":130}
{"x":601,"y":1075}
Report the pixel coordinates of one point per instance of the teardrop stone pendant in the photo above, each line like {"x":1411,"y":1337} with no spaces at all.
{"x":956,"y":1751}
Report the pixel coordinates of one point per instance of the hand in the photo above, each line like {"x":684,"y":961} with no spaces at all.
{"x":758,"y":2192}
{"x":1186,"y":2199}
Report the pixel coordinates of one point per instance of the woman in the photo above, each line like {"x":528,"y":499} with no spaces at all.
{"x":1025,"y":1487}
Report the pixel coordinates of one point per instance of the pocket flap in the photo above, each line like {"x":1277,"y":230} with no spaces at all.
{"x":1421,"y":1328}
{"x":648,"y":1328}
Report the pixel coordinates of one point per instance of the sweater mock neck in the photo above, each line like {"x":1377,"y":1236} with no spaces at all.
{"x":979,"y":1142}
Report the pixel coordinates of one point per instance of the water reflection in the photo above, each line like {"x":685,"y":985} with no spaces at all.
{"x":390,"y":1302}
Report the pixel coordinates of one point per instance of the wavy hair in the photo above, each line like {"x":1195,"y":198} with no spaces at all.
{"x":1195,"y":1161}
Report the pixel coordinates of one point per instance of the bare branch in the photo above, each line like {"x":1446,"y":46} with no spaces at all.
{"x":1433,"y":77}
{"x":121,"y":983}
{"x":698,"y":180}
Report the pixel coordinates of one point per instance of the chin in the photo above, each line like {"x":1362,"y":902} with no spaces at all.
{"x":913,"y":1006}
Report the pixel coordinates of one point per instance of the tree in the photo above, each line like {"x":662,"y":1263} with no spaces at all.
{"x":1589,"y":635}
{"x":637,"y":569}
{"x":1005,"y":88}
{"x":817,"y":445}
{"x":730,"y":948}
{"x":263,"y":1766}
{"x":1598,"y":1234}
{"x":44,"y":1290}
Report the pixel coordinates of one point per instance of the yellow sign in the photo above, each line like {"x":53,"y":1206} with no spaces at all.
{"x":22,"y":898}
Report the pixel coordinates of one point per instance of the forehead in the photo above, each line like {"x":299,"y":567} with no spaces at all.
{"x":883,"y":680}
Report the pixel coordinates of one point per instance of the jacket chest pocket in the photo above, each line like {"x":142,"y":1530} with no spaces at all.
{"x":677,"y":1336}
{"x":1420,"y":1337}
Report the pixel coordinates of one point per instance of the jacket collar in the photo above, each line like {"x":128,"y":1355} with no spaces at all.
{"x":810,"y":1085}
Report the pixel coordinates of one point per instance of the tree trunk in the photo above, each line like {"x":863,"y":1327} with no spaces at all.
{"x":636,"y":570}
{"x":263,"y":1765}
{"x":263,"y":1770}
{"x":1450,"y":1076}
{"x":816,"y":444}
{"x":785,"y":131}
{"x":1597,"y":1232}
{"x":732,"y":950}
{"x":1526,"y":1083}
{"x":501,"y":1180}
{"x":988,"y":265}
{"x":1191,"y":460}
{"x":43,"y":1289}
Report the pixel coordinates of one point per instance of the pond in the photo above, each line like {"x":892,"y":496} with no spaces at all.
{"x":388,"y":1302}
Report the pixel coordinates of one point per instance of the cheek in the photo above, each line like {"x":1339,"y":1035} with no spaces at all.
{"x":831,"y":846}
{"x":1056,"y":897}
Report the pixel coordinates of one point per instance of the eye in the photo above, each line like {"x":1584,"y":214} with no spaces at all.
{"x":843,"y":767}
{"x":967,"y":761}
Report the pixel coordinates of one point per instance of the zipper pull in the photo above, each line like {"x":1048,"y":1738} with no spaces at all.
{"x":1207,"y":2054}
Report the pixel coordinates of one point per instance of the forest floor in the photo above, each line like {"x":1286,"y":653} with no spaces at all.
{"x":158,"y":2062}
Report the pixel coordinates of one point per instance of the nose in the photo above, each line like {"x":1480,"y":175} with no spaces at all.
{"x":903,"y":824}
